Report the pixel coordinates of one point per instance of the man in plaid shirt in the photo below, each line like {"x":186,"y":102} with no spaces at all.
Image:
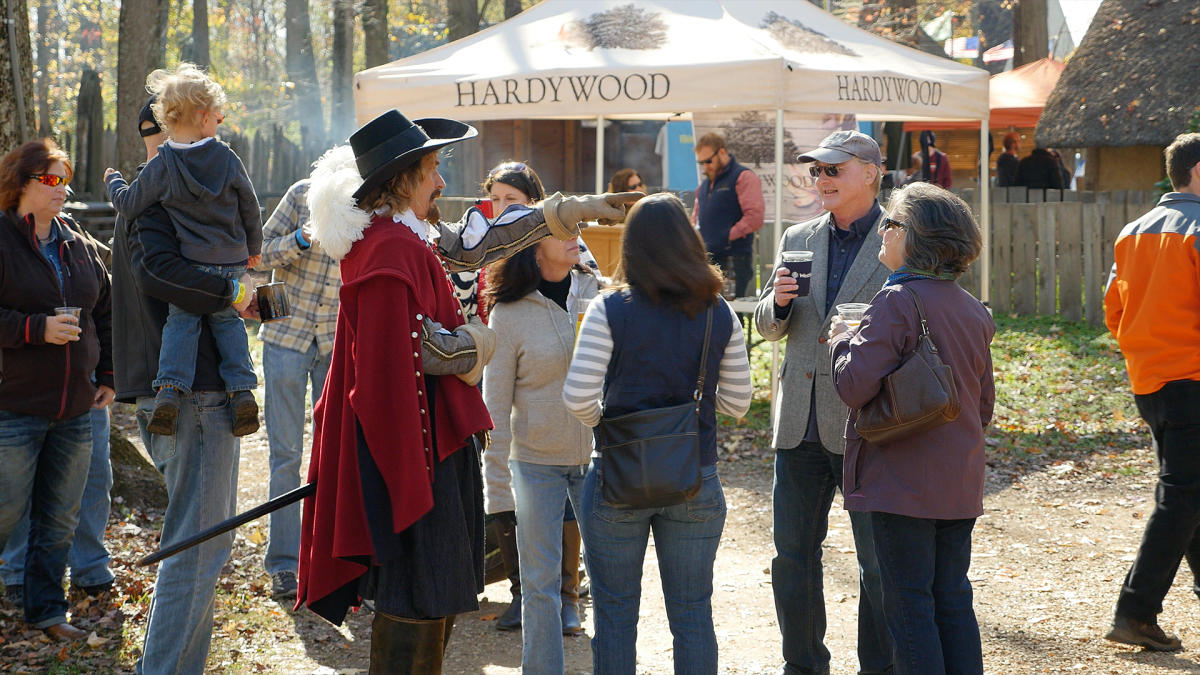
{"x":295,"y":351}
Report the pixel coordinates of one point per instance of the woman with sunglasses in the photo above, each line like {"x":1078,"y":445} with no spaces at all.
{"x":507,"y":184}
{"x":924,"y":492}
{"x":626,"y":180}
{"x":55,"y":336}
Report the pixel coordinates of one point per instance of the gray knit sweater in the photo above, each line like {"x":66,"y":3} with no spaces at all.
{"x":522,"y":386}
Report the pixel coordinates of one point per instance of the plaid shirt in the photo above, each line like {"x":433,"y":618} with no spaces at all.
{"x":312,"y":278}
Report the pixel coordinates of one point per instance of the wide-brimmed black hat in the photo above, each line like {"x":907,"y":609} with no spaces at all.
{"x":391,"y":143}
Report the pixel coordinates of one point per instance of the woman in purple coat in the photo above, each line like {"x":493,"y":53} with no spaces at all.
{"x":925,"y":491}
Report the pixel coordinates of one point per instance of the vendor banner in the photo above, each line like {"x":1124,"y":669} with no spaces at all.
{"x":750,"y":138}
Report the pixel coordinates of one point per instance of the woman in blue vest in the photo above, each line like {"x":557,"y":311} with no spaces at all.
{"x":640,"y":348}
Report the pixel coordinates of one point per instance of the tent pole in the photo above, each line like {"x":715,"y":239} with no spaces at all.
{"x":778,"y":241}
{"x":599,"y":154}
{"x":985,"y":213}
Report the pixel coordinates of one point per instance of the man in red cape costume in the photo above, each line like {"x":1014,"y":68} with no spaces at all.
{"x":397,"y":515}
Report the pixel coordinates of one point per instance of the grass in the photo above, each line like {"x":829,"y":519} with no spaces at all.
{"x":1061,"y":391}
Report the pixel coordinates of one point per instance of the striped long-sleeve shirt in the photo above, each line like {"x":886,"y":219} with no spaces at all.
{"x":583,"y":389}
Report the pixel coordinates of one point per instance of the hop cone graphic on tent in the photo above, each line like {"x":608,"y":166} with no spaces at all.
{"x":624,"y":27}
{"x":795,"y":35}
{"x":750,"y":138}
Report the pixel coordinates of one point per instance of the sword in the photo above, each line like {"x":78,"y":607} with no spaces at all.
{"x":227,"y":525}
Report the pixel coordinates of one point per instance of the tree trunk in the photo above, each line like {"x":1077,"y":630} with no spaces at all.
{"x":512,"y":8}
{"x":43,"y":68}
{"x":462,"y":19}
{"x":302,"y":73}
{"x":140,"y":48}
{"x":341,"y":118}
{"x":88,"y":154}
{"x":1031,"y":38}
{"x":135,"y":480}
{"x":16,"y":76}
{"x":375,"y":32}
{"x":200,"y":54}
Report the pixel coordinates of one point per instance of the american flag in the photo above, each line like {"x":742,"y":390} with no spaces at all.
{"x":1001,"y":52}
{"x":962,"y":47}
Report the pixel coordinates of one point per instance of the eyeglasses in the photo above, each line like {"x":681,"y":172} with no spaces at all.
{"x":831,"y":171}
{"x":508,"y":166}
{"x":709,"y":160}
{"x":889,"y":223}
{"x":48,"y":179}
{"x":635,"y":186}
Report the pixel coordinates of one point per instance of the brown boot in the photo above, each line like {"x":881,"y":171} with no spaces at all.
{"x":506,"y":536}
{"x":571,"y":622}
{"x":401,"y":646}
{"x":446,"y":635}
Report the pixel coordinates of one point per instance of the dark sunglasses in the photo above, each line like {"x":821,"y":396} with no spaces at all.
{"x":815,"y":171}
{"x":709,"y":160}
{"x":888,"y":224}
{"x":635,"y":186}
{"x":508,"y":166}
{"x":48,"y":179}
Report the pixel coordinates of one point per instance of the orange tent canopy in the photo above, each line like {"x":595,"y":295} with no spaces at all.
{"x":1015,"y":97}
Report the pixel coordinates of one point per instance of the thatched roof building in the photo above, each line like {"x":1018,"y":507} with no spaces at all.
{"x":1133,"y":80}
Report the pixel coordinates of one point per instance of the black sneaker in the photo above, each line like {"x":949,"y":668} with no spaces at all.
{"x":283,"y":585}
{"x":1142,"y":634}
{"x":245,"y":413}
{"x":166,"y":410}
{"x":511,"y":618}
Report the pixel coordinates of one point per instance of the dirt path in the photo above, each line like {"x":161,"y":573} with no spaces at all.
{"x":1049,"y":555}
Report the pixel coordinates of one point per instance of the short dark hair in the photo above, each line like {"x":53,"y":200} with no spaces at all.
{"x":518,"y":175}
{"x":940,"y":233}
{"x":1182,"y":154}
{"x":25,"y":160}
{"x":663,"y":257}
{"x":1011,"y":140}
{"x":711,"y":140}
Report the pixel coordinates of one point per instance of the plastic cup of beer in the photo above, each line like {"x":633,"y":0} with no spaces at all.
{"x":852,"y":312}
{"x":583,"y":307}
{"x":68,"y":311}
{"x":799,"y":265}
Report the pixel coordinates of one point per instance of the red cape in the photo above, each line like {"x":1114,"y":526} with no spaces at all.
{"x":390,"y":281}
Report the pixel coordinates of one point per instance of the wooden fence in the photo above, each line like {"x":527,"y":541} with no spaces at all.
{"x":1052,"y":250}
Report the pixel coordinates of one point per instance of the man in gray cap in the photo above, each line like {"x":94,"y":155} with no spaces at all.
{"x":809,"y":417}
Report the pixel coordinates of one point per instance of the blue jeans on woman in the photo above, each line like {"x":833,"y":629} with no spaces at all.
{"x":927,"y":599}
{"x":686,"y":537}
{"x":181,"y":334}
{"x":88,"y":559}
{"x":43,"y":468}
{"x":539,"y":491}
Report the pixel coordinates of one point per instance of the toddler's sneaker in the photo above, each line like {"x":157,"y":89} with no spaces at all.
{"x":166,"y":410}
{"x":245,"y":413}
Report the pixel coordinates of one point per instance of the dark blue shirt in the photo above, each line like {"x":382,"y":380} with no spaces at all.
{"x":50,"y":252}
{"x":843,"y":249}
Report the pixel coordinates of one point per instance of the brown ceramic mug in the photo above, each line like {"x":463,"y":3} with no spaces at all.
{"x":273,"y":302}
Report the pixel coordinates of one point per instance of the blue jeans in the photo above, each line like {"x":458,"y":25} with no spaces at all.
{"x":181,"y":334}
{"x":805,"y":479}
{"x":288,"y":373}
{"x":88,"y":559}
{"x":1173,"y":529}
{"x":539,"y":491}
{"x":923,"y":564}
{"x":43,"y":468}
{"x":200,"y":464}
{"x":686,"y":537}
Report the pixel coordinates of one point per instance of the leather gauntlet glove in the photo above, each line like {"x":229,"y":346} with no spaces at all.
{"x":563,"y":214}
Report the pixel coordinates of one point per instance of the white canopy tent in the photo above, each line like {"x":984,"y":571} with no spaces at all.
{"x":578,"y":59}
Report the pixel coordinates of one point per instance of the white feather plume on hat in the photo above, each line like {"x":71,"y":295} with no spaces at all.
{"x":337,"y":222}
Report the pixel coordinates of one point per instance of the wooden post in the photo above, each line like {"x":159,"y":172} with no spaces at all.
{"x":1024,"y":258}
{"x":1094,"y":272}
{"x":1047,"y":259}
{"x":1002,"y":263}
{"x":1070,"y":260}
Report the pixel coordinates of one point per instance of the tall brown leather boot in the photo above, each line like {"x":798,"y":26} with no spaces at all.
{"x":401,"y":646}
{"x":571,"y":622}
{"x":446,"y":636}
{"x":506,"y":536}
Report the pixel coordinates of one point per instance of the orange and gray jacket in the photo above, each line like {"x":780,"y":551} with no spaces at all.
{"x":36,"y":378}
{"x":1152,"y":303}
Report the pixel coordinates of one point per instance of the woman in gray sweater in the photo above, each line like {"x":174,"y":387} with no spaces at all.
{"x":539,"y":452}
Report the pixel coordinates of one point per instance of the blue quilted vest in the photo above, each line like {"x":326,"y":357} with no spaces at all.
{"x":719,"y":209}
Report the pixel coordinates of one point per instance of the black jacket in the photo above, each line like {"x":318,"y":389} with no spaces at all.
{"x":148,"y":273}
{"x":37,"y":378}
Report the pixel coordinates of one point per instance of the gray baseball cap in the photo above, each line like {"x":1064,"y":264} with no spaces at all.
{"x":840,"y":146}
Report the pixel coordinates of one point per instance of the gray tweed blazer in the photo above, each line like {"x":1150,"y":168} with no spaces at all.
{"x":806,"y":355}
